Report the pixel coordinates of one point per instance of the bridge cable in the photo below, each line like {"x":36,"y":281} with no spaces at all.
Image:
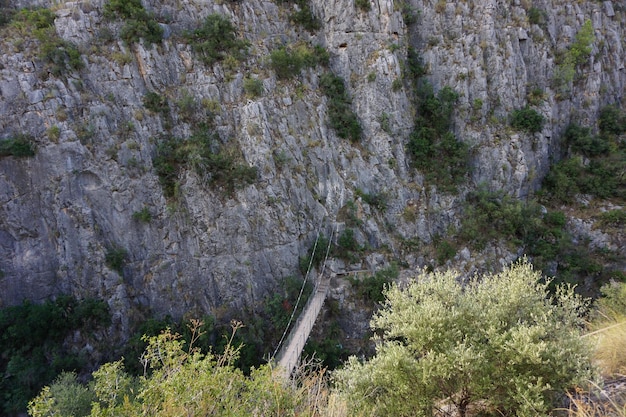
{"x":306,"y":276}
{"x":295,"y":308}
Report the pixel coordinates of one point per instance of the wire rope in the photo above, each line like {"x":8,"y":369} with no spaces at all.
{"x":306,"y":276}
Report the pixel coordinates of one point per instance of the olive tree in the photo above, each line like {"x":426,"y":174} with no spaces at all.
{"x":500,"y":345}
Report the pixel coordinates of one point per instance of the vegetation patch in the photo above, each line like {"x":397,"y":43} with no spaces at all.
{"x":289,"y":62}
{"x":527,"y":120}
{"x":138,"y":22}
{"x":156,"y":103}
{"x":577,"y":54}
{"x":115,"y":258}
{"x":497,"y":345}
{"x":341,"y":117}
{"x":435,"y":150}
{"x":20,"y":146}
{"x":593,"y":164}
{"x":33,"y":349}
{"x":59,"y":56}
{"x":364,"y":5}
{"x":493,"y":216}
{"x":253,"y":86}
{"x":371,"y":288}
{"x":303,"y":16}
{"x":143,"y":215}
{"x":202,"y":153}
{"x":216,"y":40}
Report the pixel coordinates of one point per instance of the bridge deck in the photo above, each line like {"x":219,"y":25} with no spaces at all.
{"x":291,"y":350}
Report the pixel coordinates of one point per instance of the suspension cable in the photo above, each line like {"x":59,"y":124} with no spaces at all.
{"x":306,"y":276}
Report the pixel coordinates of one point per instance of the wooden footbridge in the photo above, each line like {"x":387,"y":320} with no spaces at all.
{"x":288,"y":356}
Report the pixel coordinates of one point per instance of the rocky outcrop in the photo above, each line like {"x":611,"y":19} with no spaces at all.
{"x":211,"y":251}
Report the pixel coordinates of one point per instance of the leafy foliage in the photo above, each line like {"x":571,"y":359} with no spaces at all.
{"x":216,"y":39}
{"x":32,"y":350}
{"x":340,"y":114}
{"x":435,"y":150}
{"x":116,"y":258}
{"x":20,"y":146}
{"x":577,"y":53}
{"x":315,"y":255}
{"x":594,"y":165}
{"x":156,"y":103}
{"x":202,"y":153}
{"x":347,"y":247}
{"x":304,"y":15}
{"x":527,"y":120}
{"x":143,"y":215}
{"x":289,"y":62}
{"x":499,"y":344}
{"x":253,"y":87}
{"x":58,"y":55}
{"x":491,"y":216}
{"x":371,"y":288}
{"x":139,"y":23}
{"x":364,"y":5}
{"x":183,"y":381}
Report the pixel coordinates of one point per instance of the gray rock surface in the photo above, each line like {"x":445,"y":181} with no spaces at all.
{"x":62,"y":210}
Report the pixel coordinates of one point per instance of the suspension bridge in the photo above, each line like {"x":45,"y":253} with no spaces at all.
{"x":289,"y":350}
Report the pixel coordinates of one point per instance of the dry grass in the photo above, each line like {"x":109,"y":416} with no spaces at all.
{"x":610,"y":351}
{"x":596,"y":403}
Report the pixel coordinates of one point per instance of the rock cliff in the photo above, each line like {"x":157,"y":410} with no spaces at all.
{"x":66,"y":211}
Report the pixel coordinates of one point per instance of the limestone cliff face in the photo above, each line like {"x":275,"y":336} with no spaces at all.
{"x":211,"y":251}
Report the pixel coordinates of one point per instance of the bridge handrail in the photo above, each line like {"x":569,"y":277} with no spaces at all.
{"x":301,"y":317}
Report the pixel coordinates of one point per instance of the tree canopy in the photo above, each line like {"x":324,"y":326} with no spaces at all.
{"x":501,"y":344}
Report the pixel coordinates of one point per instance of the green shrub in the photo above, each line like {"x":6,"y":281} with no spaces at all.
{"x":253,"y":86}
{"x":594,"y":165}
{"x":614,"y":218}
{"x":60,"y":56}
{"x":577,"y":53}
{"x":527,"y":120}
{"x":340,"y":114}
{"x":156,"y":103}
{"x":57,"y":54}
{"x":371,"y":288}
{"x":492,"y":216}
{"x":375,"y":200}
{"x":415,"y":68}
{"x":287,"y":63}
{"x":435,"y":150}
{"x":444,"y":251}
{"x":315,"y":255}
{"x":363,"y":5}
{"x":124,"y":9}
{"x":347,"y":247}
{"x":116,"y":258}
{"x":20,"y":146}
{"x":33,"y":349}
{"x":143,"y":215}
{"x":536,"y":16}
{"x":581,"y":141}
{"x":147,"y":29}
{"x":6,"y":14}
{"x":200,"y":152}
{"x":409,"y":13}
{"x":611,"y":121}
{"x":139,"y":23}
{"x":38,"y":18}
{"x":499,"y":342}
{"x":305,"y":17}
{"x":216,"y":39}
